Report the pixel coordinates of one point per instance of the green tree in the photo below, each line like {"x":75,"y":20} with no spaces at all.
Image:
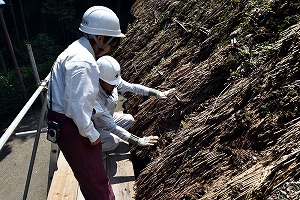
{"x":45,"y":51}
{"x":60,"y":20}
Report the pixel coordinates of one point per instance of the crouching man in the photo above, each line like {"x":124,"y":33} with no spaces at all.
{"x":112,"y":125}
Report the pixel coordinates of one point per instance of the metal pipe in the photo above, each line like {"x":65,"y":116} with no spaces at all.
{"x":33,"y":64}
{"x":22,"y":113}
{"x":34,"y":68}
{"x":35,"y":146}
{"x":54,"y":153}
{"x":43,"y":130}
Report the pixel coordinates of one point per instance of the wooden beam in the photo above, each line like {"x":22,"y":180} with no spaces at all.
{"x":119,"y":169}
{"x":118,"y":166}
{"x":64,"y":185}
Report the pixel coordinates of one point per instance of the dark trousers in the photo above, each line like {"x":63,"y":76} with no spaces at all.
{"x":85,"y":160}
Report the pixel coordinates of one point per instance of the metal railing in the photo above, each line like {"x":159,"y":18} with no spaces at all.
{"x":17,"y":120}
{"x":9,"y":131}
{"x":41,"y":92}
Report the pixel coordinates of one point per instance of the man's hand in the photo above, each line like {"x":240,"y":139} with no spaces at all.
{"x":148,"y":141}
{"x":96,"y":142}
{"x":165,"y":94}
{"x":161,"y":95}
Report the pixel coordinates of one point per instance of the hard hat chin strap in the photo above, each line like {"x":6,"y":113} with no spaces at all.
{"x":99,"y":45}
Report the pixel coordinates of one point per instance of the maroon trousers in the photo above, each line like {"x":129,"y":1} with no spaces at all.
{"x":85,"y":160}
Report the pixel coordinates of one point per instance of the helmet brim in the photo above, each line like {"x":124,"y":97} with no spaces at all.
{"x":103,"y":32}
{"x":114,"y":82}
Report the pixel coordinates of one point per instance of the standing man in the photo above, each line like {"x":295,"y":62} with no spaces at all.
{"x":72,"y":92}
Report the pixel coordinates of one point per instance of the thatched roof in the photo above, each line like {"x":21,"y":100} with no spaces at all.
{"x":231,"y":131}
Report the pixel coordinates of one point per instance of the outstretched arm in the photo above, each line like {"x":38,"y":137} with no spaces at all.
{"x":143,"y":90}
{"x":102,"y":119}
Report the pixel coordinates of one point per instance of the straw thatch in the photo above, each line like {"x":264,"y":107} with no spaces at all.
{"x":231,"y":130}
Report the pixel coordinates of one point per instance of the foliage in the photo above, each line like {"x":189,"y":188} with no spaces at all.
{"x":58,"y":10}
{"x":10,"y":94}
{"x":63,"y":22}
{"x":45,"y":52}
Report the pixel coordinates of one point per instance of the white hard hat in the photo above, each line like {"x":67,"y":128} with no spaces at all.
{"x":110,"y":70}
{"x":2,"y":2}
{"x":100,"y":20}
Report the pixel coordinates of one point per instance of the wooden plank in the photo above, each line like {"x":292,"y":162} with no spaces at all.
{"x":120,"y":172}
{"x":64,"y":185}
{"x":80,"y":196}
{"x":119,"y":169}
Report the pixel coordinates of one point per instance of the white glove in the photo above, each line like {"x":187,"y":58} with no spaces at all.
{"x":165,"y":94}
{"x":148,"y":141}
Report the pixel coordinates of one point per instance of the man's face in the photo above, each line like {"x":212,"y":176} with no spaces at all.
{"x":100,"y":53}
{"x":114,"y":42}
{"x":107,"y":87}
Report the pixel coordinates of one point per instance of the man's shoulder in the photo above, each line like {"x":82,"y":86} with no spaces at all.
{"x":80,"y":47}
